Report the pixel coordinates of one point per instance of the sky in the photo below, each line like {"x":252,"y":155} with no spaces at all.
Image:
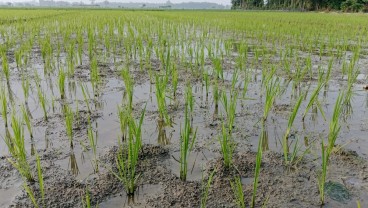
{"x":223,"y":2}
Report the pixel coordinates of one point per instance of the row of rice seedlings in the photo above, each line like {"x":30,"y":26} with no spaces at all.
{"x":334,"y":130}
{"x":187,"y":135}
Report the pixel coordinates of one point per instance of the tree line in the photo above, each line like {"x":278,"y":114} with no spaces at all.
{"x":303,"y":5}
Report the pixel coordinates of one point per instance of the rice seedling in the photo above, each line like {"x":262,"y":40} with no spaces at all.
{"x":272,"y":90}
{"x":40,"y":179}
{"x":69,"y":117}
{"x":86,"y":97}
{"x":292,"y":117}
{"x":61,"y":83}
{"x":161,"y":86}
{"x":129,"y":86}
{"x":27,"y":120}
{"x":25,"y":87}
{"x":6,"y":68}
{"x":218,"y":68}
{"x":174,"y":80}
{"x":205,"y":189}
{"x":94,"y":74}
{"x":4,"y":106}
{"x":127,"y":157}
{"x":92,"y":138}
{"x":206,"y":81}
{"x":187,"y":139}
{"x":42,"y":101}
{"x":17,"y":149}
{"x":86,"y":200}
{"x":314,"y":97}
{"x":216,"y":96}
{"x":30,"y":194}
{"x":257,"y":170}
{"x":126,"y":164}
{"x":230,"y":109}
{"x":334,"y":130}
{"x":237,"y":188}
{"x":227,"y":146}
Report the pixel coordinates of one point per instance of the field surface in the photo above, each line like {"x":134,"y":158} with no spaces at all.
{"x":183,"y":108}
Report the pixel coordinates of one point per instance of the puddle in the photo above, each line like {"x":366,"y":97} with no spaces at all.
{"x":138,"y":200}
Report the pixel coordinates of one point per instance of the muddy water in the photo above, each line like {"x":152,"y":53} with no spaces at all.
{"x":137,"y":200}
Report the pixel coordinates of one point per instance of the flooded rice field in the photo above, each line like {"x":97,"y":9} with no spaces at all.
{"x":142,"y":109}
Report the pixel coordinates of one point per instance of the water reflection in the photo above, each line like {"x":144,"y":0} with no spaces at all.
{"x":73,"y":165}
{"x":264,"y":137}
{"x":162,"y":137}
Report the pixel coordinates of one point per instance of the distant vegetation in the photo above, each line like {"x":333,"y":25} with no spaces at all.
{"x":304,"y":5}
